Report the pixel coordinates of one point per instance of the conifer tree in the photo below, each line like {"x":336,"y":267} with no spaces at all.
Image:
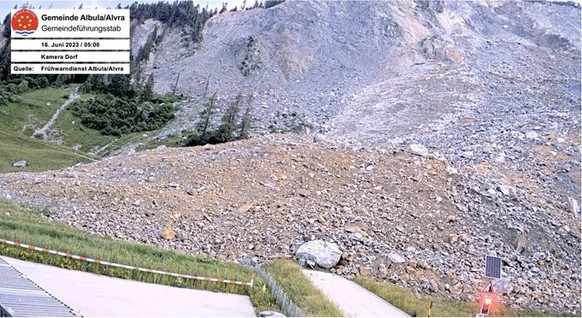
{"x":247,"y":119}
{"x":228,"y":124}
{"x":206,"y":115}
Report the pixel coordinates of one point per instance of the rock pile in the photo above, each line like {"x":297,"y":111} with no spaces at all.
{"x":417,"y":221}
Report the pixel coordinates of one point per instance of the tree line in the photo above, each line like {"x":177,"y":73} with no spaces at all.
{"x":120,"y":108}
{"x":236,"y":122}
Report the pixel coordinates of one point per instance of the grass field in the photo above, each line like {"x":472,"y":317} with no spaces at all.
{"x":37,"y":107}
{"x":299,"y":288}
{"x":40,"y":155}
{"x":34,"y":110}
{"x":176,"y":140}
{"x":26,"y":225}
{"x":18,"y":122}
{"x":74,"y":135}
{"x":407,"y":301}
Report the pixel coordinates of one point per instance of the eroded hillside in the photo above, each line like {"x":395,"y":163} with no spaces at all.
{"x":446,"y":130}
{"x":254,"y":200}
{"x":494,"y":82}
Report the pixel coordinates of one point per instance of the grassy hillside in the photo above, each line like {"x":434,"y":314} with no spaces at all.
{"x":69,"y":142}
{"x":33,"y":110}
{"x":72,"y":134}
{"x":40,"y":155}
{"x":18,"y":121}
{"x":88,"y":140}
{"x":309,"y":298}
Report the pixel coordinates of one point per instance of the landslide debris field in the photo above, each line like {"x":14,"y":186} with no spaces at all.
{"x":431,"y":134}
{"x":414,"y":220}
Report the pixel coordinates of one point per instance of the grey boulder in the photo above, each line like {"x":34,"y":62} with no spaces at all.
{"x":270,"y":313}
{"x":502,"y":286}
{"x":20,"y":164}
{"x":419,"y":150}
{"x":323,"y":254}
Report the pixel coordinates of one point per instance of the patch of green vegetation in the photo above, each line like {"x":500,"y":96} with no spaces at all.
{"x":40,"y":155}
{"x":117,"y":116}
{"x":177,"y":140}
{"x":32,"y":110}
{"x":70,"y":131}
{"x":19,"y":223}
{"x":12,"y":88}
{"x":408,"y":302}
{"x":133,"y":138}
{"x":299,"y":288}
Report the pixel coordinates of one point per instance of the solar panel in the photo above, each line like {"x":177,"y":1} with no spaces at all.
{"x":493,"y":266}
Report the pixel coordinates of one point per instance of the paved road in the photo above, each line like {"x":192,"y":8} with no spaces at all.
{"x":94,"y":295}
{"x":352,"y":299}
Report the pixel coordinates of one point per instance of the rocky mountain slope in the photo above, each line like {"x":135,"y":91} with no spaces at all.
{"x":444,"y":130}
{"x":415,"y":220}
{"x":316,"y":58}
{"x":474,"y":81}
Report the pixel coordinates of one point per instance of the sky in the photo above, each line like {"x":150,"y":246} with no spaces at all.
{"x":7,"y":5}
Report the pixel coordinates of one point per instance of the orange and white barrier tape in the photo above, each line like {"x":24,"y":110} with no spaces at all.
{"x":141,"y":269}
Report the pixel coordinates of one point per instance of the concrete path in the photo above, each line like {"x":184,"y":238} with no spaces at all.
{"x":352,"y":299}
{"x":93,"y":295}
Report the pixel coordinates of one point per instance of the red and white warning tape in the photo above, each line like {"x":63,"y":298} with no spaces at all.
{"x":141,"y":269}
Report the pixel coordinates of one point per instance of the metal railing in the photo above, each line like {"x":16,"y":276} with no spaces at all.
{"x":285,"y":303}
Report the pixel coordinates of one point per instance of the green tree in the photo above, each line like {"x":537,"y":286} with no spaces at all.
{"x":5,"y":61}
{"x":7,"y":27}
{"x":121,"y":86}
{"x":271,"y":3}
{"x":206,"y":115}
{"x":148,"y":90}
{"x":63,"y":79}
{"x":247,"y":120}
{"x":228,"y":123}
{"x":144,"y":52}
{"x":23,"y":87}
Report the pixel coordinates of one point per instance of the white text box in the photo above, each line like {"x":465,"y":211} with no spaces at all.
{"x":69,"y":68}
{"x":72,"y":23}
{"x":69,"y":56}
{"x":65,"y":45}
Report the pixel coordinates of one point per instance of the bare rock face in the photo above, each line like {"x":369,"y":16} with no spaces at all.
{"x":323,"y":254}
{"x":419,"y":150}
{"x":502,"y":286}
{"x":396,"y":258}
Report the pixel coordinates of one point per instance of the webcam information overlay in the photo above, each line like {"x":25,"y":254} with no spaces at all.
{"x":57,"y":41}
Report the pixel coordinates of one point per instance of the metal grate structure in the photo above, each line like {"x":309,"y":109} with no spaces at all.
{"x":285,"y":303}
{"x":20,"y":297}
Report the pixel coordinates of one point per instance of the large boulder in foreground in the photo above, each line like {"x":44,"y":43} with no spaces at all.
{"x":323,"y":254}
